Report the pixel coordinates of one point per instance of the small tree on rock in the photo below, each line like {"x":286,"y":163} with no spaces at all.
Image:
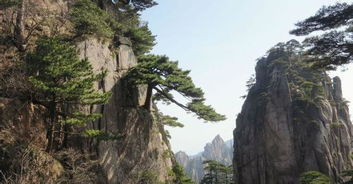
{"x":62,"y":81}
{"x":164,"y":76}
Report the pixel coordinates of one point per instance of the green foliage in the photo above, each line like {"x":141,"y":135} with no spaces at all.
{"x":333,"y":47}
{"x":89,"y":19}
{"x":167,"y":154}
{"x":309,"y":92}
{"x":336,"y":124}
{"x":100,"y":135}
{"x":348,"y":174}
{"x":170,"y":121}
{"x":165,"y":76}
{"x":179,"y":176}
{"x":134,"y":5}
{"x":4,"y":4}
{"x":58,"y":74}
{"x":142,"y":4}
{"x":147,"y":177}
{"x":203,"y":111}
{"x":217,"y":173}
{"x":141,"y":38}
{"x":62,"y":81}
{"x":314,"y":177}
{"x":79,"y":118}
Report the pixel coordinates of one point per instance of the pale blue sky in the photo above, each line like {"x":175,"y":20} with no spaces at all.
{"x":220,"y":40}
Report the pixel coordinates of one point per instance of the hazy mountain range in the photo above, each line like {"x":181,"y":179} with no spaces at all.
{"x":218,"y":150}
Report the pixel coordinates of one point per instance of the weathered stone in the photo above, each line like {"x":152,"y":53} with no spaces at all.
{"x":281,"y":133}
{"x":143,"y":145}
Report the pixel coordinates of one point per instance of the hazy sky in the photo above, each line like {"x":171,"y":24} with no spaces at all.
{"x":220,"y":40}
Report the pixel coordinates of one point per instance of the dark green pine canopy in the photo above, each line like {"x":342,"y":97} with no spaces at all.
{"x":164,"y":76}
{"x":62,"y":83}
{"x":335,"y":46}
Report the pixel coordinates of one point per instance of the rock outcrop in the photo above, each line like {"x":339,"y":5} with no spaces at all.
{"x":294,"y":120}
{"x":217,"y":150}
{"x":144,"y":149}
{"x":144,"y":144}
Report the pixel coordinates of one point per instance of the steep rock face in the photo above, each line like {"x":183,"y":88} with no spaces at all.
{"x":293,"y":120}
{"x":144,"y":147}
{"x":217,"y":150}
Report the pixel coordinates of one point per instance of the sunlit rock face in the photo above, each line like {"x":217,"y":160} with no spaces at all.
{"x":294,"y":120}
{"x":217,"y":150}
{"x":144,"y":146}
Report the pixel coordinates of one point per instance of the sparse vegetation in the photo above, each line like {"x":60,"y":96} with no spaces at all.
{"x":314,"y":177}
{"x":179,"y":176}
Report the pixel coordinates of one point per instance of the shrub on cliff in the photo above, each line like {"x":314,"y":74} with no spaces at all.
{"x":89,"y":19}
{"x":314,"y":177}
{"x":141,"y":38}
{"x":179,"y":176}
{"x":62,"y":81}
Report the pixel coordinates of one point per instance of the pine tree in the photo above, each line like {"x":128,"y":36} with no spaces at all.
{"x":89,"y":19}
{"x":217,"y":173}
{"x":143,"y":4}
{"x":62,"y":82}
{"x":137,"y":5}
{"x":334,"y":47}
{"x":164,"y":76}
{"x":180,"y":176}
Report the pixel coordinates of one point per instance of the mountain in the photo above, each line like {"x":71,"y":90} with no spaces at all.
{"x":294,"y":120}
{"x":217,"y":150}
{"x":139,"y":155}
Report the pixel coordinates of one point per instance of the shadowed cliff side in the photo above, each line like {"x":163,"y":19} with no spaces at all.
{"x":293,"y":120}
{"x":143,"y":151}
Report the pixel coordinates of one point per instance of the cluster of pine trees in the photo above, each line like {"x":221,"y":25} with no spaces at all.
{"x":217,"y":173}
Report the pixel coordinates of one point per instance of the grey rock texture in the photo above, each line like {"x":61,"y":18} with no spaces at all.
{"x":144,"y":147}
{"x":294,"y":120}
{"x":217,"y":150}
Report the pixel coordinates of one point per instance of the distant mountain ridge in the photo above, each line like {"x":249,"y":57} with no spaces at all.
{"x":217,"y":150}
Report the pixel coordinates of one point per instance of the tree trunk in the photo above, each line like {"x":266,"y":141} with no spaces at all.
{"x":20,"y":27}
{"x":148,"y":102}
{"x":52,"y":124}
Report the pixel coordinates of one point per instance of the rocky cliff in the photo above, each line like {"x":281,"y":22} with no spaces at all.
{"x":294,"y":120}
{"x":144,"y":144}
{"x":144,"y":149}
{"x":217,"y":150}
